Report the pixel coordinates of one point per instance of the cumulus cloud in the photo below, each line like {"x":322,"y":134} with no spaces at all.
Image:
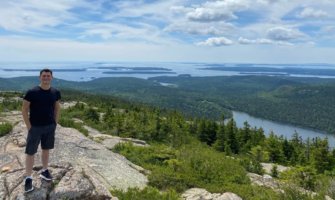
{"x":217,"y":10}
{"x":215,"y":41}
{"x":283,"y":34}
{"x":207,"y":14}
{"x":312,"y":13}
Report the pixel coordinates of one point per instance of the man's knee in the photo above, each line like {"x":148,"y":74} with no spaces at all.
{"x":45,"y":150}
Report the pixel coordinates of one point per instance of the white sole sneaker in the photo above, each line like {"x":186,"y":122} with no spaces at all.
{"x":29,"y":190}
{"x":45,"y":178}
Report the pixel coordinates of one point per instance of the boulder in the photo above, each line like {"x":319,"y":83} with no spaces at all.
{"x":265,"y":180}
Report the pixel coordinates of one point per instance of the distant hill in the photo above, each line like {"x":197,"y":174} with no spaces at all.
{"x":300,"y":101}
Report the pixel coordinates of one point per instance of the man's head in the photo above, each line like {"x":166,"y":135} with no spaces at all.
{"x":45,"y":76}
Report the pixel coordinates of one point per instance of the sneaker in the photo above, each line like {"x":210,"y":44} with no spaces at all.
{"x":46,"y":175}
{"x":28,"y":185}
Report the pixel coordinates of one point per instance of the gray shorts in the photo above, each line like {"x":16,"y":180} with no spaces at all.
{"x":43,"y":134}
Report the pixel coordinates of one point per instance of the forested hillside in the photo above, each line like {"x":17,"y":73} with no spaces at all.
{"x":306,"y":102}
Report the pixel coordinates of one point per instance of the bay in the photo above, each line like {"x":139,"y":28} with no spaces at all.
{"x":277,"y":128}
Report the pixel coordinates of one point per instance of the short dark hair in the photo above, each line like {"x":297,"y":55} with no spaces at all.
{"x":45,"y":70}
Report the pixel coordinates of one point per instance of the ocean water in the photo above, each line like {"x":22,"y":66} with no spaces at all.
{"x":86,"y":71}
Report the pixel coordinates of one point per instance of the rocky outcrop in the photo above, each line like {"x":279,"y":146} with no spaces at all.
{"x":265,"y":180}
{"x":269,"y":166}
{"x":202,"y":194}
{"x":110,"y":141}
{"x":83,"y":169}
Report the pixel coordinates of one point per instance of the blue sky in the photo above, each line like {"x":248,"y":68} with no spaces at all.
{"x":261,"y":31}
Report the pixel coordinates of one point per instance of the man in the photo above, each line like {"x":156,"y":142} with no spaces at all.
{"x":40,"y":111}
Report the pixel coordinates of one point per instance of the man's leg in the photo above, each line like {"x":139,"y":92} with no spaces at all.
{"x":45,"y":158}
{"x":28,"y":181}
{"x":29,"y":164}
{"x":47,"y":143}
{"x":45,"y":174}
{"x":33,"y":140}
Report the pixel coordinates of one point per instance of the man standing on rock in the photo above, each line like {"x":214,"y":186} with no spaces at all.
{"x":40,"y":111}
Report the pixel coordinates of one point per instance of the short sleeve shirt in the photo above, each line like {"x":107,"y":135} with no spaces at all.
{"x":42,"y":105}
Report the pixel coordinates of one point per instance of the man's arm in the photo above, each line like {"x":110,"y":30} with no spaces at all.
{"x":25,"y":111}
{"x":57,"y":111}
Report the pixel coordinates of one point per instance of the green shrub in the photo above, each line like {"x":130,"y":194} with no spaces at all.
{"x":291,"y":193}
{"x":190,"y":166}
{"x":274,"y":171}
{"x":148,"y":193}
{"x":5,"y":128}
{"x":66,"y":122}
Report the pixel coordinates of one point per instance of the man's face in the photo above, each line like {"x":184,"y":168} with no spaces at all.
{"x":45,"y":77}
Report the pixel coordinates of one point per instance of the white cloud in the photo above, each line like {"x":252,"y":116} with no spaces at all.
{"x":216,"y":41}
{"x":23,"y":15}
{"x":242,"y":40}
{"x":217,"y":10}
{"x":246,"y":41}
{"x":207,"y":14}
{"x":158,"y":10}
{"x":114,"y":31}
{"x":14,"y":49}
{"x":267,"y":1}
{"x":312,"y":13}
{"x":284,"y":34}
{"x":101,"y":32}
{"x":168,"y":24}
{"x":194,"y":28}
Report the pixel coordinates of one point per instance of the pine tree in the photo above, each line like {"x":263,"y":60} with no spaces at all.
{"x":244,"y":138}
{"x":231,"y":140}
{"x":321,"y":156}
{"x":221,"y":139}
{"x":288,"y":150}
{"x":274,"y":148}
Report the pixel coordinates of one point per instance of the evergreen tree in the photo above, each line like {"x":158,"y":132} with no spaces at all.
{"x":231,"y":140}
{"x":244,"y":138}
{"x":92,"y":114}
{"x":221,"y":139}
{"x":201,"y":132}
{"x":288,"y":150}
{"x":321,"y":156}
{"x":274,"y":148}
{"x":207,"y":131}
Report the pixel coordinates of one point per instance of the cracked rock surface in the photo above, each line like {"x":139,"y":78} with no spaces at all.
{"x":202,"y":194}
{"x":82,"y":168}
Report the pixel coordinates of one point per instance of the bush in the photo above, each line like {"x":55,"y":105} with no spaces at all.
{"x":148,"y":193}
{"x":5,"y":128}
{"x":66,"y":122}
{"x":190,"y":166}
{"x":274,"y":171}
{"x":303,"y":176}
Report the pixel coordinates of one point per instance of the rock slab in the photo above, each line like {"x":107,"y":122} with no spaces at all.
{"x":82,"y":168}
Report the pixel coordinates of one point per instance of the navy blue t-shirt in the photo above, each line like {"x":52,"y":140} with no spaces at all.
{"x":42,"y":105}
